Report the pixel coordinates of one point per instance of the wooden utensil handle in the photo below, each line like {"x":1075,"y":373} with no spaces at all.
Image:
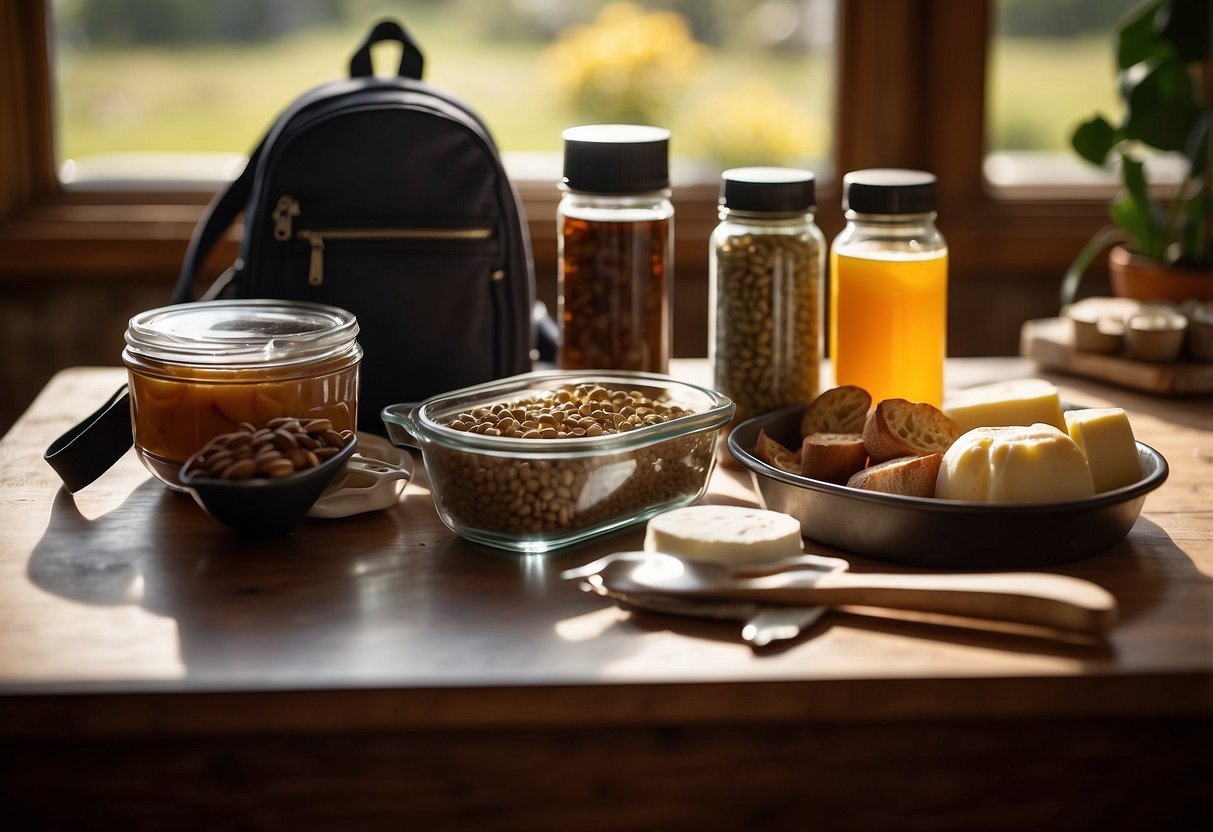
{"x":1035,"y":598}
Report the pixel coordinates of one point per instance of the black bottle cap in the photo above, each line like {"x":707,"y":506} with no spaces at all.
{"x":616,"y":158}
{"x":768,"y":190}
{"x":888,"y":191}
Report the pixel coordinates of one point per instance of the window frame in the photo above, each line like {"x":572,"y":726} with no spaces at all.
{"x":911,"y":86}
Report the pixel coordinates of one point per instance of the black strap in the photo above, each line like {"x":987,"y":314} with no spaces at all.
{"x":92,"y":447}
{"x":412,"y":62}
{"x":213,"y":224}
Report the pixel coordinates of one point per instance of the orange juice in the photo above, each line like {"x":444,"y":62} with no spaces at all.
{"x":888,"y":321}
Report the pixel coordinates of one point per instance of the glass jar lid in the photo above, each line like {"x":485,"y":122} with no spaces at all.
{"x":616,"y":158}
{"x":888,"y":191}
{"x":241,"y":333}
{"x":768,"y":190}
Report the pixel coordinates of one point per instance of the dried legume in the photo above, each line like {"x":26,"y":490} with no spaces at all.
{"x":278,"y":449}
{"x":535,"y":495}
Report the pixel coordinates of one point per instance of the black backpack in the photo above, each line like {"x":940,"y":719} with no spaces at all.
{"x":386,"y":197}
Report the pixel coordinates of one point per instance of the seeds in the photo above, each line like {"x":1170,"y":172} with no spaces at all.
{"x":767,"y":349}
{"x":589,"y":408}
{"x":615,"y":286}
{"x":530,"y":494}
{"x":279,"y":449}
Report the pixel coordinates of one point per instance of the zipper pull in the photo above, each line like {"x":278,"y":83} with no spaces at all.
{"x":284,"y":211}
{"x":315,"y":269}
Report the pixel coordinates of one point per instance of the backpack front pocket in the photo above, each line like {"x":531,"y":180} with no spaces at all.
{"x":429,"y":303}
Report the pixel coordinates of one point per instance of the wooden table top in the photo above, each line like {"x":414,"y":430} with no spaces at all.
{"x":125,"y":610}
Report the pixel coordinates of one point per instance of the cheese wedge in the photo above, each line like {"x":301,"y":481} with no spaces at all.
{"x":1013,"y":464}
{"x":1023,"y":401}
{"x":727,"y":534}
{"x":1106,"y":439}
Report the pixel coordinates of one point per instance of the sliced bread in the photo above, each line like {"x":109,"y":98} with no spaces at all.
{"x":912,"y":476}
{"x":837,"y":410}
{"x":902,"y":428}
{"x":776,"y":455}
{"x":832,"y":457}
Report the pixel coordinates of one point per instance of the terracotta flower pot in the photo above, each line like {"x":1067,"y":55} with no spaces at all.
{"x":1141,"y":279}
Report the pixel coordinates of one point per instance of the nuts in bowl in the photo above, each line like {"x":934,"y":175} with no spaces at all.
{"x":261,"y":481}
{"x":547,"y":459}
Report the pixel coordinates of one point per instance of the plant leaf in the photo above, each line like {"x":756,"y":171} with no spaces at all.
{"x":1197,"y":146}
{"x":1162,"y":105}
{"x":1134,"y":212}
{"x":1138,"y":40}
{"x":1094,"y":139}
{"x":1193,"y":231}
{"x":1185,"y":23}
{"x":1103,"y":238}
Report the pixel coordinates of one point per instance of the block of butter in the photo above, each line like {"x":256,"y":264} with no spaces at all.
{"x":1106,"y":438}
{"x":1023,"y":401}
{"x":1014,"y":464}
{"x":727,"y":534}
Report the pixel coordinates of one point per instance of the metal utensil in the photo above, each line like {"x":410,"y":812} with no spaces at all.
{"x":746,"y":570}
{"x":1039,"y":599}
{"x":763,"y":624}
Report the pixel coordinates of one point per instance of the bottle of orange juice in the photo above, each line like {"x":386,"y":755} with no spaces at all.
{"x":889,"y":287}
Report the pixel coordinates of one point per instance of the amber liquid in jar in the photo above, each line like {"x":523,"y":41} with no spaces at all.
{"x":614,"y":303}
{"x":200,"y":370}
{"x":175,"y":416}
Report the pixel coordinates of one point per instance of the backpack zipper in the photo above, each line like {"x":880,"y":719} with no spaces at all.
{"x":288,"y":208}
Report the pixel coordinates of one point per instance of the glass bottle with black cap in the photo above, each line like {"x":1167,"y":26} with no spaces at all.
{"x":616,"y":249}
{"x":766,"y":266}
{"x":889,"y":287}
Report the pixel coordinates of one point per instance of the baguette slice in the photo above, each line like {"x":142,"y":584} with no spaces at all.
{"x":912,"y":476}
{"x":832,"y":457}
{"x":901,"y":428}
{"x":837,"y":410}
{"x":776,"y":455}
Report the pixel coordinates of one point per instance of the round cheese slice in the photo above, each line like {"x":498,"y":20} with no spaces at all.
{"x":727,"y":534}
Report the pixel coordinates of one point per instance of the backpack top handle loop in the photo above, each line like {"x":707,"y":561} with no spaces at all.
{"x":411,"y":59}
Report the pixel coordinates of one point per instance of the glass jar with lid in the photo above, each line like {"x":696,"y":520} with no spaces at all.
{"x":197,"y":370}
{"x":766,"y":262}
{"x":889,"y":287}
{"x":616,"y":249}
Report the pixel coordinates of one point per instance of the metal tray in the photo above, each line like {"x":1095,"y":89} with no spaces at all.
{"x":942,"y":533}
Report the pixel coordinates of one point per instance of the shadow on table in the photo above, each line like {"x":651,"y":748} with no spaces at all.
{"x":361,"y":600}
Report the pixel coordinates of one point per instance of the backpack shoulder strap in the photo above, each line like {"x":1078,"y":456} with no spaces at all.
{"x":215,"y":221}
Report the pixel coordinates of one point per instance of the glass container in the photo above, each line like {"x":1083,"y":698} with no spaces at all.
{"x":616,"y":249}
{"x":889,"y":287}
{"x":766,"y":263}
{"x":197,"y":370}
{"x":494,"y":485}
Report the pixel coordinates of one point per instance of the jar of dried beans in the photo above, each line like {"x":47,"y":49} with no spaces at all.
{"x":616,"y":249}
{"x":767,"y":258}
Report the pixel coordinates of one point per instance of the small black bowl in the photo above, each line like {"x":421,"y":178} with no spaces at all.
{"x":265,"y":507}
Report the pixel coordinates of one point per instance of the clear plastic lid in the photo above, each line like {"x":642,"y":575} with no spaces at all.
{"x":241,"y":333}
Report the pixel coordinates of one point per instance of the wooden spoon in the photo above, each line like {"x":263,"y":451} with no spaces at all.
{"x":1033,"y":598}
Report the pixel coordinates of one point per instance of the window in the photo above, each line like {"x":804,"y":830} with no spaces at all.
{"x":908,"y":88}
{"x":169,"y":95}
{"x":1052,"y":66}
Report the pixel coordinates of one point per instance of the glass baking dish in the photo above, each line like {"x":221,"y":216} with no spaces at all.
{"x":539,"y":494}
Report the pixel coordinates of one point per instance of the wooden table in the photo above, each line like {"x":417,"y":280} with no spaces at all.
{"x":157,"y":671}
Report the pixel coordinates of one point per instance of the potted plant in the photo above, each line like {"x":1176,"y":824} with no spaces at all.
{"x":1164,"y":68}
